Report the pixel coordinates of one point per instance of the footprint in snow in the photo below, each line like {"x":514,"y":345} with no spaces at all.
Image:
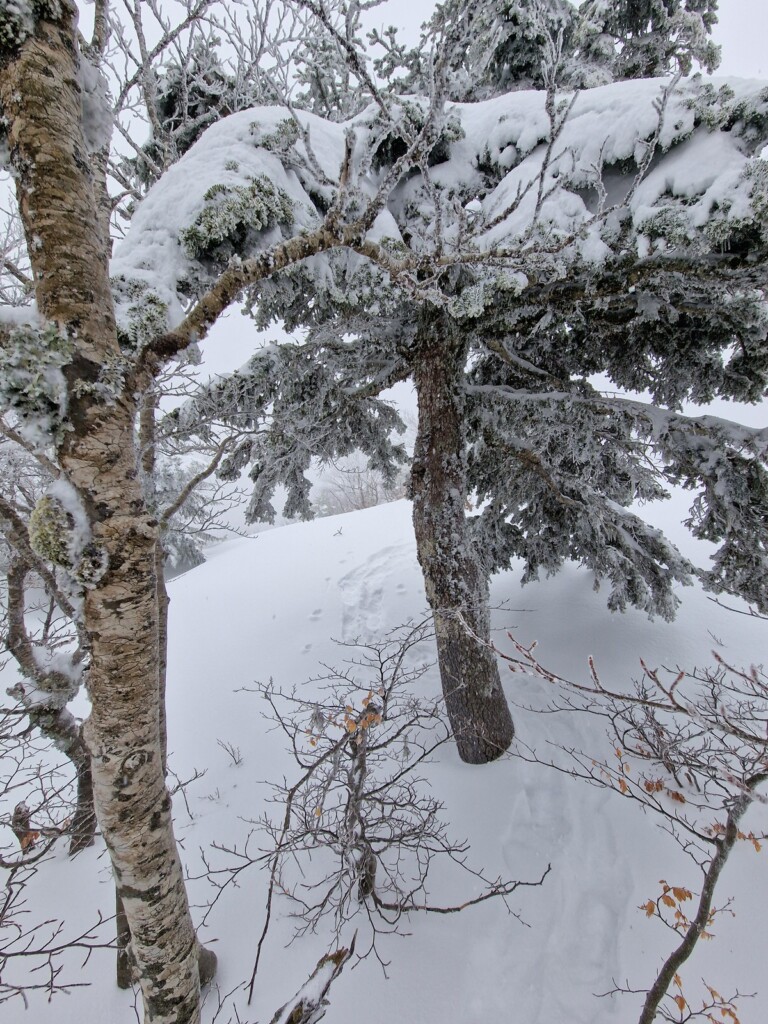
{"x":362,"y":595}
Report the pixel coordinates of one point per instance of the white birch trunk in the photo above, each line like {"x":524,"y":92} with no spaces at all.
{"x":59,"y":204}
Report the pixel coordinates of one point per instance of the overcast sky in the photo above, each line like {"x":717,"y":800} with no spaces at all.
{"x":743,"y":35}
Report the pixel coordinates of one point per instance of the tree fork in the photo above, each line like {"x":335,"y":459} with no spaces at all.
{"x":455,"y":581}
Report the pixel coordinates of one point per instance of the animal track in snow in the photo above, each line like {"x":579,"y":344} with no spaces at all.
{"x":363,"y":591}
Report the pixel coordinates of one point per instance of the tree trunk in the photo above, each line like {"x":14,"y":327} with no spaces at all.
{"x":148,"y":460}
{"x":125,"y":966}
{"x":83,"y":827}
{"x":163,"y":602}
{"x":51,"y":717}
{"x":456,"y":583}
{"x":40,"y":99}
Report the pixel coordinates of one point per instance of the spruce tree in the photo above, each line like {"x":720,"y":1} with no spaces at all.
{"x":649,"y":38}
{"x":521,"y":246}
{"x":496,"y":47}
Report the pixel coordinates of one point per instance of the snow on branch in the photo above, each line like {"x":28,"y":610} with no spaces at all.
{"x":550,"y":182}
{"x":309,"y":1004}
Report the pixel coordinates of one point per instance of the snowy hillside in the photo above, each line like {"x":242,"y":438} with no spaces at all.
{"x":268,"y":607}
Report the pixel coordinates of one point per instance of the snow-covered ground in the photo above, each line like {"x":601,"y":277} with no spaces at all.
{"x":269,"y":607}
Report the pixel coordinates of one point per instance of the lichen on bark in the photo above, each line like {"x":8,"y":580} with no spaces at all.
{"x":18,"y":19}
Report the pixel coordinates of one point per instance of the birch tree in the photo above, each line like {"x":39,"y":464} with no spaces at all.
{"x":74,"y":382}
{"x":84,"y":407}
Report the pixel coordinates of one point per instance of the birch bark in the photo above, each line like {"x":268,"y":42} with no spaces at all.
{"x":60,"y":207}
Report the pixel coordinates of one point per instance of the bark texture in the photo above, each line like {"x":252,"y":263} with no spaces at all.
{"x":60,"y":208}
{"x":456,"y":584}
{"x":148,"y":461}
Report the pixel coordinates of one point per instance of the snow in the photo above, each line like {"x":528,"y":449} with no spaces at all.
{"x":53,"y":661}
{"x":268,"y":607}
{"x":80,"y":534}
{"x":707,"y":168}
{"x":20,"y":316}
{"x":311,"y":993}
{"x":98,"y":120}
{"x":228,"y":154}
{"x":605,"y":127}
{"x":695,"y":174}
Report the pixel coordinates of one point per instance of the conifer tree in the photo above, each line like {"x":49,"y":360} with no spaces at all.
{"x":495,"y":47}
{"x":648,"y":38}
{"x":518,"y":268}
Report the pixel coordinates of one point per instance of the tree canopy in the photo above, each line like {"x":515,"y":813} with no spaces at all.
{"x":615,"y":231}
